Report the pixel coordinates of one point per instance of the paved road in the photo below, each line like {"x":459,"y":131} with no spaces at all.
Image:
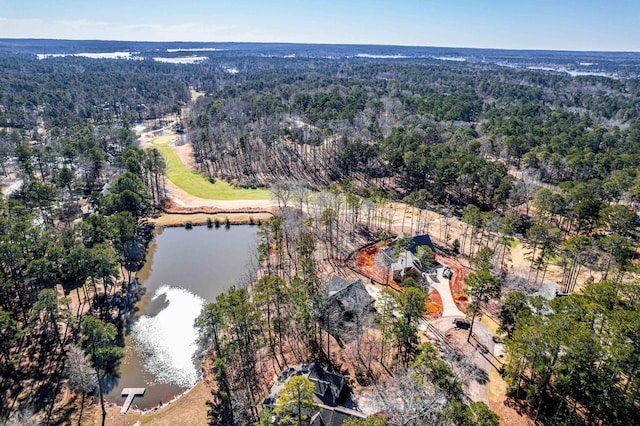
{"x":441,"y":284}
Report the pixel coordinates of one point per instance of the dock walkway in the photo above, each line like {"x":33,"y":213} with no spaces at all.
{"x":130,"y":393}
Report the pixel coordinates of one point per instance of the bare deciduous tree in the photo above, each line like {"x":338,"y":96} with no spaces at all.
{"x":282,"y":192}
{"x":412,"y":399}
{"x":82,"y":377}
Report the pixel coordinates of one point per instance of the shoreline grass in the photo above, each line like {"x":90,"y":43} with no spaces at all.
{"x":197,"y":184}
{"x":199,"y":219}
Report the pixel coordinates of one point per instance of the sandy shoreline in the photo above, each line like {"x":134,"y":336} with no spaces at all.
{"x":187,"y":408}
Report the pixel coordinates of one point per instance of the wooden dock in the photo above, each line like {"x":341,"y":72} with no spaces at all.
{"x":130,"y":393}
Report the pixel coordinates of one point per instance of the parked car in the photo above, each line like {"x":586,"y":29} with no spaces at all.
{"x":461,"y":323}
{"x":447,"y":273}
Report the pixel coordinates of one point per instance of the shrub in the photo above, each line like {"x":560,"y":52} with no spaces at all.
{"x":209,"y":223}
{"x":361,"y":378}
{"x":188,"y":224}
{"x":456,"y":246}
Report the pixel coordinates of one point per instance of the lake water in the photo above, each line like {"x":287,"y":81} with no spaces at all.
{"x":185,"y":269}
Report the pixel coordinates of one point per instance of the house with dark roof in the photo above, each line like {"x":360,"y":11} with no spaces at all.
{"x":346,"y":306}
{"x":334,"y":416}
{"x":330,"y":391}
{"x":350,"y":298}
{"x":416,"y":241}
{"x":421,"y":240}
{"x":406,"y":263}
{"x":329,"y":385}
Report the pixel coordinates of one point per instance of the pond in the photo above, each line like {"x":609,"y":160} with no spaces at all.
{"x":185,"y":269}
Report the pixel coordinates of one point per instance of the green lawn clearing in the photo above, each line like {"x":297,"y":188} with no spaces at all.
{"x":198,"y":184}
{"x":195,"y":95}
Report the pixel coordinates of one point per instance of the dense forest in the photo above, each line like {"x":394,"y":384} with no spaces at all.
{"x":425,"y":125}
{"x":543,"y":156}
{"x":65,"y":135}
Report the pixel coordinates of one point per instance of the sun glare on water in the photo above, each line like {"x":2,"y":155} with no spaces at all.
{"x":168,"y":339}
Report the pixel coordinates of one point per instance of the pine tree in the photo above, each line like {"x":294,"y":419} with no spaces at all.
{"x":295,"y":402}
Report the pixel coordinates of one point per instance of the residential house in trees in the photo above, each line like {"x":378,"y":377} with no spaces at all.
{"x":330,"y":386}
{"x":349,"y":299}
{"x":406,"y":263}
{"x":329,"y":393}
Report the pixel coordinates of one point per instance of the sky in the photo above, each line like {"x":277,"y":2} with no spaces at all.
{"x":597,"y":25}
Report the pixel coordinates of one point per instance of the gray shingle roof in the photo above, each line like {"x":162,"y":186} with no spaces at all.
{"x":349,"y":296}
{"x":329,"y":385}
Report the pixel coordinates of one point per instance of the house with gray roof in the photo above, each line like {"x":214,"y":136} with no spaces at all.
{"x":406,"y":263}
{"x":330,"y":386}
{"x":349,"y":298}
{"x":329,"y":393}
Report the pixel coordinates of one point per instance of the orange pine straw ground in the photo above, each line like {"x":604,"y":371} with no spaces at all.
{"x":434,"y":305}
{"x":364,"y":263}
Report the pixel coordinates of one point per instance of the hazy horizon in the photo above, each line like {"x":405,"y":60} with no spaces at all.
{"x":312,"y":43}
{"x":588,"y":25}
